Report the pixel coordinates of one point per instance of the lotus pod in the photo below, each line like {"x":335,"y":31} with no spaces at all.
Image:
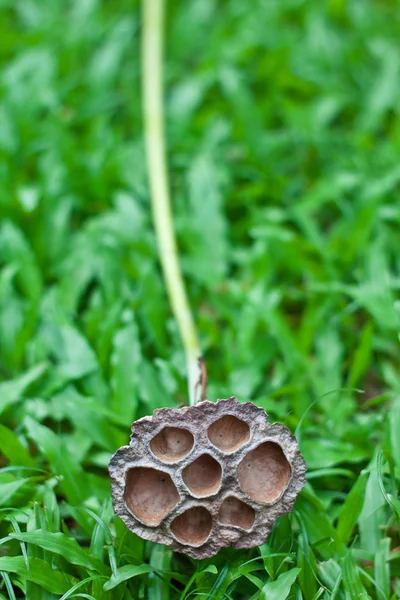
{"x":202,"y":477}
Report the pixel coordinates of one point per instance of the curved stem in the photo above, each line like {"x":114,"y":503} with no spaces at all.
{"x":153,"y":111}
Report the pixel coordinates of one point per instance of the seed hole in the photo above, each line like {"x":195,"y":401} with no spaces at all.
{"x":267,"y":474}
{"x":235,"y":512}
{"x":150,"y":494}
{"x":203,"y":476}
{"x":229,"y":433}
{"x":172,"y":444}
{"x":193,"y":526}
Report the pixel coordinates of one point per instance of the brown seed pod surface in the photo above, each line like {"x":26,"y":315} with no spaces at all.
{"x":203,"y":477}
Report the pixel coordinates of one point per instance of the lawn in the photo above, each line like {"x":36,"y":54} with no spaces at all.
{"x":283,"y":143}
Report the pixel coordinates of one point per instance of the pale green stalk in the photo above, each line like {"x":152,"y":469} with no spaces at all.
{"x":153,"y":110}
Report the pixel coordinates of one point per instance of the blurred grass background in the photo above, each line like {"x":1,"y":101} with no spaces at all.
{"x":283,"y":143}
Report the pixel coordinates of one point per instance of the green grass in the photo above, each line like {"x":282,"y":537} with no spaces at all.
{"x":283,"y":134}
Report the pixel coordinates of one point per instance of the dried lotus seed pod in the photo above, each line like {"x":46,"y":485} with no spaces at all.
{"x":207,"y":476}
